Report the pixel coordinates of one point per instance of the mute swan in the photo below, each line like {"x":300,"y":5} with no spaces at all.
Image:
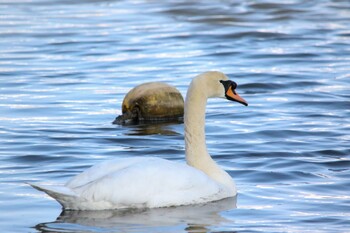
{"x":151,"y":102}
{"x":155,"y":182}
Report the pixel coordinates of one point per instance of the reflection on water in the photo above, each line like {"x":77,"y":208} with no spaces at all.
{"x":196,"y":218}
{"x":166,"y":129}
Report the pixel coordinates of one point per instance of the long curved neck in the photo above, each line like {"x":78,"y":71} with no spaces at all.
{"x":196,"y":150}
{"x":194,"y":119}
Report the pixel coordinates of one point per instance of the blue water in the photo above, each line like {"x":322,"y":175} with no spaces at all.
{"x":65,"y":67}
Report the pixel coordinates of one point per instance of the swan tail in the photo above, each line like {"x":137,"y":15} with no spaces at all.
{"x":62,"y":194}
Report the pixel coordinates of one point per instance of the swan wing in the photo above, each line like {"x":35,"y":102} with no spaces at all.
{"x":102,"y":169}
{"x":146,"y":183}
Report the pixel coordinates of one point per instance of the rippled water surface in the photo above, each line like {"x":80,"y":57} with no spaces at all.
{"x":65,"y":67}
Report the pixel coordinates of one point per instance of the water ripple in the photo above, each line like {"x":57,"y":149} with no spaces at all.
{"x":65,"y":67}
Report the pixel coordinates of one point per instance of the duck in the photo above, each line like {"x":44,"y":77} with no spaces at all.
{"x":153,"y":182}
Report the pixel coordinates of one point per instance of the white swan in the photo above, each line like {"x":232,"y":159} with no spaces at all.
{"x":154,"y":182}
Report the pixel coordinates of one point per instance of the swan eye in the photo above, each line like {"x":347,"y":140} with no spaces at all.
{"x":228,"y":83}
{"x":233,"y":85}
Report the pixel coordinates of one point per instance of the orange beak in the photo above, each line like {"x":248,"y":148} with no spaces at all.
{"x":235,"y":97}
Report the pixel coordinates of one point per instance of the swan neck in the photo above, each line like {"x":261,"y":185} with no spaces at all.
{"x":194,"y":119}
{"x":197,"y":155}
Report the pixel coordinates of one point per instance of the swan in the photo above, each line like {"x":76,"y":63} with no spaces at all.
{"x":150,"y":182}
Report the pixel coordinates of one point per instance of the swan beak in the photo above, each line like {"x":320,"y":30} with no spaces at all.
{"x":232,"y":95}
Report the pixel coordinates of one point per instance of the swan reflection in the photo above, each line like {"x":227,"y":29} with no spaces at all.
{"x":193,"y":218}
{"x":155,"y":128}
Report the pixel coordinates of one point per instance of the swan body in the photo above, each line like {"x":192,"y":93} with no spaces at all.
{"x":150,"y":182}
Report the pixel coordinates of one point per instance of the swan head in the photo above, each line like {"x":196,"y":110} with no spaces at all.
{"x":219,"y":85}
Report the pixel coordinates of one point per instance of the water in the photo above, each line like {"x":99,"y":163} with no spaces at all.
{"x":65,"y":67}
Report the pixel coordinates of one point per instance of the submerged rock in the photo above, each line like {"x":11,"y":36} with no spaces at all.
{"x":151,"y":103}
